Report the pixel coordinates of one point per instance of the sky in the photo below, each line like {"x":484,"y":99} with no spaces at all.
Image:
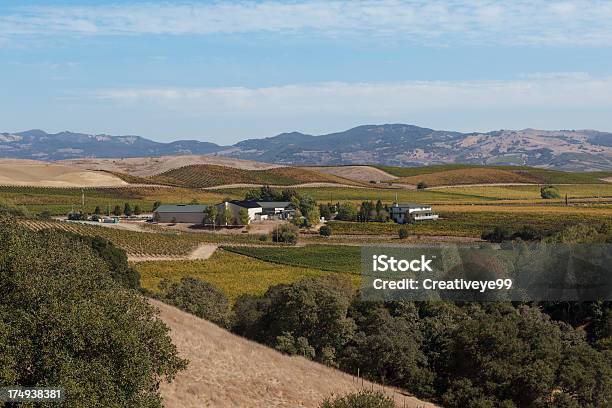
{"x":224,"y":71}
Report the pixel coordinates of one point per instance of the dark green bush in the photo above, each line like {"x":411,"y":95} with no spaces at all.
{"x":286,"y":233}
{"x":199,"y":298}
{"x":325,"y":231}
{"x":403,"y":233}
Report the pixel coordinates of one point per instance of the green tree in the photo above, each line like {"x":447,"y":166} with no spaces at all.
{"x":325,"y":211}
{"x":210,"y":215}
{"x":117,"y":211}
{"x":127,"y":209}
{"x":244,"y":216}
{"x":65,"y":322}
{"x":347,"y":212}
{"x":403,"y":233}
{"x":156,"y":204}
{"x":548,"y":192}
{"x":137,"y":210}
{"x":315,"y":309}
{"x":226,"y":217}
{"x":97,"y":210}
{"x":199,"y":298}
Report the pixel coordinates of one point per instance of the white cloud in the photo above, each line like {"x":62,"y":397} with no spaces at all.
{"x":536,"y":22}
{"x":373,"y":100}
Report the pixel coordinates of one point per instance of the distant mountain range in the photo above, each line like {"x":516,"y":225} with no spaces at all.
{"x":393,"y":144}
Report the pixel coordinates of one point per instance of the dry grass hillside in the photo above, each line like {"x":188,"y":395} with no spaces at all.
{"x":205,"y":175}
{"x":360,"y":173}
{"x":43,"y":174}
{"x":149,"y":166}
{"x":226,"y":370}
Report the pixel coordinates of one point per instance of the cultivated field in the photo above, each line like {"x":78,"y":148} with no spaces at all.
{"x":60,"y":201}
{"x":342,"y":259}
{"x":233,"y":273}
{"x":458,"y":174}
{"x":156,"y":243}
{"x":226,"y":370}
{"x":201,"y":176}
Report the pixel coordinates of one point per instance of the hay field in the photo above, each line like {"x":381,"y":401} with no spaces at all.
{"x":40,"y":174}
{"x":226,"y":370}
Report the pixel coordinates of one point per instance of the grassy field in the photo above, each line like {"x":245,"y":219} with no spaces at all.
{"x":60,"y":201}
{"x":233,"y":273}
{"x":206,"y":175}
{"x":342,"y":259}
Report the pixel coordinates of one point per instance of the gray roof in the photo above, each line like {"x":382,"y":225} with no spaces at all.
{"x":245,"y":203}
{"x":411,"y":205}
{"x":181,"y":208}
{"x":274,"y":204}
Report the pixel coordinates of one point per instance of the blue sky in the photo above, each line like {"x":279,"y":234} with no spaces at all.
{"x":224,"y":71}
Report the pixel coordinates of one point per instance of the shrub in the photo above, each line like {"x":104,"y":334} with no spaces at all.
{"x":499,"y":234}
{"x":45,"y":215}
{"x":286,"y":233}
{"x":65,"y":322}
{"x":361,"y":399}
{"x":263,"y":237}
{"x":422,"y":185}
{"x":403,"y":233}
{"x":548,"y":192}
{"x":198,"y":298}
{"x":325,"y":231}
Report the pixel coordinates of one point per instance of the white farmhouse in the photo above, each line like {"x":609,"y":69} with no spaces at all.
{"x":403,"y":213}
{"x":258,"y":210}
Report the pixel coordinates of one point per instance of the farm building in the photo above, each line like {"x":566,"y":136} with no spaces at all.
{"x":259,"y":210}
{"x":403,"y":213}
{"x":188,"y":213}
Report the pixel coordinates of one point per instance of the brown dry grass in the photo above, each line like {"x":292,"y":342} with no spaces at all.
{"x":42,"y":174}
{"x":469,"y":176}
{"x":359,"y":173}
{"x":148,"y":166}
{"x":226,"y":370}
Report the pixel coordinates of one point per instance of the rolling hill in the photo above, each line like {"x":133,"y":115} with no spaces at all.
{"x":408,"y":145}
{"x":226,"y":370}
{"x":388,"y":144}
{"x":205,"y":175}
{"x":43,"y":174}
{"x":448,"y":175}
